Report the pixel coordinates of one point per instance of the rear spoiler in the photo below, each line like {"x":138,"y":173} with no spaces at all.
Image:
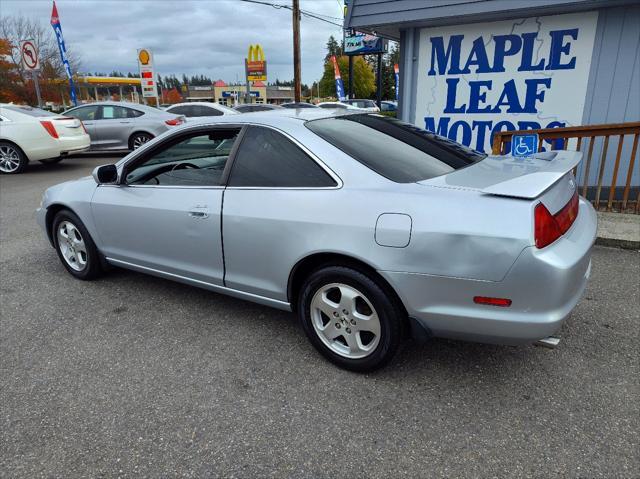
{"x":531,"y":176}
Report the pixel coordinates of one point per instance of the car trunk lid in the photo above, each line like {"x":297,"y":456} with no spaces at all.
{"x":65,"y":126}
{"x":546,"y":175}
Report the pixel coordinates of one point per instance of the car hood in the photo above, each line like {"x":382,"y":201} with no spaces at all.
{"x":509,"y":176}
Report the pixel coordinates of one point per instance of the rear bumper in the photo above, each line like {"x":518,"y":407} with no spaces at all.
{"x":74,"y":144}
{"x":543,"y":284}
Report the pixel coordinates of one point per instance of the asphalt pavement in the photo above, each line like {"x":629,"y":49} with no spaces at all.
{"x":131,"y":376}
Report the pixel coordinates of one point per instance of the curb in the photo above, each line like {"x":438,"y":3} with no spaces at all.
{"x":618,"y":243}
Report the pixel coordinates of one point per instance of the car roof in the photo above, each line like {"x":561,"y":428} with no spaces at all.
{"x":275,"y":117}
{"x":127,"y":104}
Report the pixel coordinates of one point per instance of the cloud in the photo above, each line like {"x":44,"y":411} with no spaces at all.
{"x":208,"y":37}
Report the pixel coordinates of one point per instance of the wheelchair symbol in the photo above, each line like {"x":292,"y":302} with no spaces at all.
{"x":524,"y":145}
{"x":522,"y":148}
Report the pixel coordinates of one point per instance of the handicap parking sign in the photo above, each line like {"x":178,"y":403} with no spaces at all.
{"x":524,"y":145}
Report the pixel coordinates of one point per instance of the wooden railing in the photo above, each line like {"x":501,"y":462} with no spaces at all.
{"x":620,"y":198}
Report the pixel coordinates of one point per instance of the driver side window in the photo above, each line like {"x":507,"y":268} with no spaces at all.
{"x":198,"y":159}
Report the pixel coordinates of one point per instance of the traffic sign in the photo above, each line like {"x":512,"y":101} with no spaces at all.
{"x":29,"y":55}
{"x":524,"y":145}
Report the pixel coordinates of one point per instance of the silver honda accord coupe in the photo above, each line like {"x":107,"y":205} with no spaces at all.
{"x":364,"y":226}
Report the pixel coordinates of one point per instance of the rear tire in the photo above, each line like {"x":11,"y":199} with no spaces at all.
{"x":12,"y":159}
{"x":51,"y":161}
{"x":350,"y":319}
{"x":139,"y":139}
{"x":75,"y":247}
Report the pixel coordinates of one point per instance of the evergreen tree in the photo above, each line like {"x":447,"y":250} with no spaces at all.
{"x":333,"y":48}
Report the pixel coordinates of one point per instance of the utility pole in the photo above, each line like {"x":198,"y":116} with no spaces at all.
{"x":296,"y":51}
{"x":34,"y":77}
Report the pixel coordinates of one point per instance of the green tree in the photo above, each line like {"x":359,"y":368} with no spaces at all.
{"x":364,"y":83}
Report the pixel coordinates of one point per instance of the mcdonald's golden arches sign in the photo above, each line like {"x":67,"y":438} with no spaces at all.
{"x":255,"y":64}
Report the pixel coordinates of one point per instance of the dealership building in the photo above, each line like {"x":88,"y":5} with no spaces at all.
{"x":470,"y":68}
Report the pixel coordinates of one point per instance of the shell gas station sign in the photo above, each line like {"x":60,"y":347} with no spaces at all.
{"x":255,"y":64}
{"x":147,"y":75}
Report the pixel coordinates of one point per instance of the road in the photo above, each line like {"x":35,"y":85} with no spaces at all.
{"x":132,"y":375}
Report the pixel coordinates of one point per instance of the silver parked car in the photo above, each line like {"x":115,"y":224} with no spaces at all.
{"x":123,"y":126}
{"x":363,"y":225}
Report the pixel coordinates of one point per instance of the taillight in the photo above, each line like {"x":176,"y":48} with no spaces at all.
{"x":548,"y":227}
{"x":50,"y":128}
{"x":174,"y":121}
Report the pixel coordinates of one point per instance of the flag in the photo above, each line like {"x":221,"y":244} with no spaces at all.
{"x":339,"y":84}
{"x":55,"y":23}
{"x":396,"y":70}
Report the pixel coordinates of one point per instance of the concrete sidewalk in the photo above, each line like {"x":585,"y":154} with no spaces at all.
{"x":621,"y":230}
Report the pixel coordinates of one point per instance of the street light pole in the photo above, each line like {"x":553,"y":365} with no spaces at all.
{"x":297,"y":88}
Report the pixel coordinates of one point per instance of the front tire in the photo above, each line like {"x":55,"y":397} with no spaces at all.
{"x":12,"y":159}
{"x":350,"y":319}
{"x":75,"y":247}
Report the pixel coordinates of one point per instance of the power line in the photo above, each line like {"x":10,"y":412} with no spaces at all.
{"x":306,"y":13}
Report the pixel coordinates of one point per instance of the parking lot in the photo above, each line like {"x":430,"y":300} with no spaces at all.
{"x":134,"y":375}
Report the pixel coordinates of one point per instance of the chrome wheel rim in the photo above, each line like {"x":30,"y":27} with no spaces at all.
{"x":140,"y":140}
{"x":72,"y":246}
{"x":9,"y":159}
{"x":345,"y":320}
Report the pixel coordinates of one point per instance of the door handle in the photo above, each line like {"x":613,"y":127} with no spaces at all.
{"x":199,"y":212}
{"x":125,"y":122}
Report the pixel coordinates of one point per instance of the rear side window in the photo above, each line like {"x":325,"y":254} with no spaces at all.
{"x":267,"y":158}
{"x":85,"y":113}
{"x":179,"y":110}
{"x":396,"y":150}
{"x":113,"y":112}
{"x":131,"y":113}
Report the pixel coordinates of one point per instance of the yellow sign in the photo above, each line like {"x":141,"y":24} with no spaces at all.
{"x":255,"y":64}
{"x":144,"y":57}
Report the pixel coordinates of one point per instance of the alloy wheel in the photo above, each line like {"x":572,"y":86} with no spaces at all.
{"x":9,"y":159}
{"x":72,"y":246}
{"x":140,"y":140}
{"x":345,"y":320}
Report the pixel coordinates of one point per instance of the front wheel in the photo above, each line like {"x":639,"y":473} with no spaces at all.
{"x":74,"y":246}
{"x":350,"y":318}
{"x":12,"y":159}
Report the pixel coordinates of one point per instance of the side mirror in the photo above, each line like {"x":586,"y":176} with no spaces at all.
{"x":105,"y":174}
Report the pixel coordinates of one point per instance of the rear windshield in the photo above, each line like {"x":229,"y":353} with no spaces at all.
{"x":396,"y":150}
{"x":28,"y":110}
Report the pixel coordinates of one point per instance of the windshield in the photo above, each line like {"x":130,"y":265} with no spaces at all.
{"x":396,"y":150}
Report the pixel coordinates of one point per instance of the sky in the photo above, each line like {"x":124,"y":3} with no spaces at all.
{"x":209,"y":37}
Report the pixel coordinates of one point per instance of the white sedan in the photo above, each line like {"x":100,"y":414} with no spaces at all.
{"x":30,"y":134}
{"x":200,"y":108}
